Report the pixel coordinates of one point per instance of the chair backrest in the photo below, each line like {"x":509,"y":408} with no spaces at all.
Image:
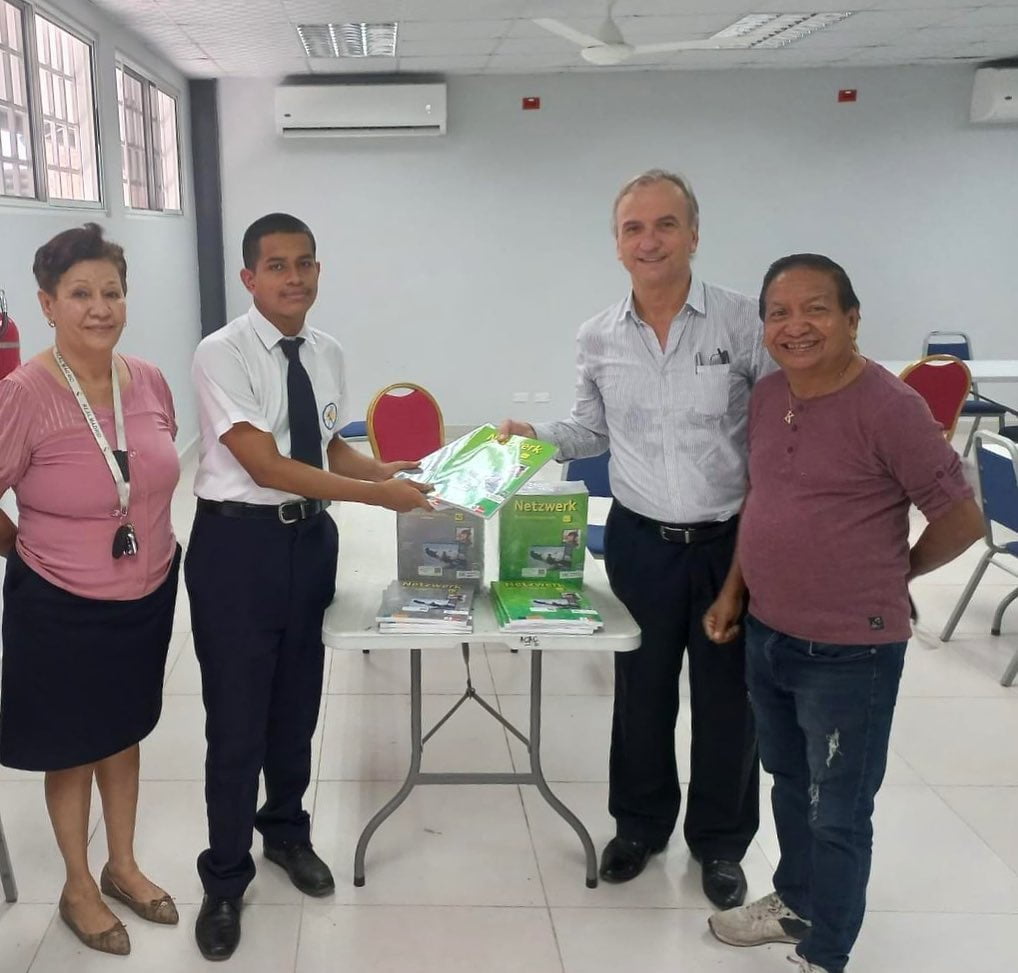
{"x":944,"y":382}
{"x":997,"y":460}
{"x":593,"y":472}
{"x":404,"y":422}
{"x":955,"y":343}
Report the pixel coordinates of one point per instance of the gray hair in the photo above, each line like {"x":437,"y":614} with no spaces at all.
{"x":649,"y":178}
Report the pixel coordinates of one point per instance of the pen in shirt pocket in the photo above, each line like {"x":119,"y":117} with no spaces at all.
{"x":719,"y":358}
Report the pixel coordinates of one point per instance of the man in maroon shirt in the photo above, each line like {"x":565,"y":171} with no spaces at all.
{"x":839,"y":449}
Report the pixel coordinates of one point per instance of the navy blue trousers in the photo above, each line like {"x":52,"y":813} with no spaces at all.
{"x":823,"y":712}
{"x":667,"y":587}
{"x":258,"y":592}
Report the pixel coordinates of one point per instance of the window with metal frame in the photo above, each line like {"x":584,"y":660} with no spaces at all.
{"x":131,"y":111}
{"x":67,"y":104}
{"x":148,"y":142}
{"x":164,"y":148}
{"x":17,"y":166}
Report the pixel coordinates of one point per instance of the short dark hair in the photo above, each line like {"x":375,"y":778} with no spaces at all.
{"x":54,"y":258}
{"x":847,"y":299}
{"x":266,"y":225}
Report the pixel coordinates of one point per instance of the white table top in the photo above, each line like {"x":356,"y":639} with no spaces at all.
{"x":981,"y":369}
{"x":367,"y":563}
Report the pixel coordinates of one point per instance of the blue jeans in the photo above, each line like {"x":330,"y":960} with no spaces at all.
{"x":823,"y":716}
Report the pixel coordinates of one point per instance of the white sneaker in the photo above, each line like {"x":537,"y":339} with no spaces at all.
{"x":805,"y":966}
{"x":768,"y":920}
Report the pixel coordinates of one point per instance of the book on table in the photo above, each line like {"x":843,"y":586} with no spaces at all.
{"x":542,"y":533}
{"x":544,"y":607}
{"x":416,"y":606}
{"x":440,"y":546}
{"x":477,"y":473}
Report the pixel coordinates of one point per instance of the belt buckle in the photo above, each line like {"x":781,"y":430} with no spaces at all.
{"x":668,"y":534}
{"x":283,"y":519}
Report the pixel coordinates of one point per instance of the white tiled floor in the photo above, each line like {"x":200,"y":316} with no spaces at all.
{"x":488,"y":878}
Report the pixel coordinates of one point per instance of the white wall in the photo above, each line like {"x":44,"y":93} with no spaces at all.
{"x":467,"y":262}
{"x":163,"y":317}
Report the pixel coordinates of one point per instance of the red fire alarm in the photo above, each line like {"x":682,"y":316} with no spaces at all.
{"x":531,"y":103}
{"x":847,"y":94}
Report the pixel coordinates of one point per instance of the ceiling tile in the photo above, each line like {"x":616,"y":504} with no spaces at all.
{"x":468,"y":64}
{"x":462,"y":9}
{"x":453,"y":29}
{"x":458,"y":47}
{"x":985,"y":17}
{"x":354,"y":65}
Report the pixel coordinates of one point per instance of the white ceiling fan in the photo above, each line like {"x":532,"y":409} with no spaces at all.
{"x":608,"y":46}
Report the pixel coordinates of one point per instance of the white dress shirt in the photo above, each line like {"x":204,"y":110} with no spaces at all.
{"x":675,"y":420}
{"x":239,"y":374}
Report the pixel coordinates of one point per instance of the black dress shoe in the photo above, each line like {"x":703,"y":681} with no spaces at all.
{"x":624,"y":858}
{"x":724,"y":883}
{"x":306,"y":870}
{"x":217,"y":930}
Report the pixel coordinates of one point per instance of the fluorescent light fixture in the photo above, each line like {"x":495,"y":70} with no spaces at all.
{"x":777,"y":30}
{"x":348,"y":40}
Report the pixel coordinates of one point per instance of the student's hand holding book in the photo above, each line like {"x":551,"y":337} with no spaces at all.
{"x":401,"y":495}
{"x":388,"y":470}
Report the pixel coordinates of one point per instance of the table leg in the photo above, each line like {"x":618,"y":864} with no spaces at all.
{"x":413,"y":774}
{"x":7,"y":870}
{"x":538,"y":772}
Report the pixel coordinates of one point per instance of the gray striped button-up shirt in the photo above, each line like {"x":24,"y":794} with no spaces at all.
{"x":675,"y":420}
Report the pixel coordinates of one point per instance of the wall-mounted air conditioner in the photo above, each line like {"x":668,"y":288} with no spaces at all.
{"x":345,"y":110}
{"x":995,"y":95}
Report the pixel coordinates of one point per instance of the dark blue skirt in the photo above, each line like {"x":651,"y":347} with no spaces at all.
{"x":82,"y":678}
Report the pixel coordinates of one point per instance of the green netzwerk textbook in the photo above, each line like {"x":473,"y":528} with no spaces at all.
{"x":440,"y":545}
{"x":540,"y":606}
{"x":543,"y":533}
{"x":477,"y":473}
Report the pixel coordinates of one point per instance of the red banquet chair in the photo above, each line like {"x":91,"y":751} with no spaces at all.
{"x":944,"y":382}
{"x":404,"y":422}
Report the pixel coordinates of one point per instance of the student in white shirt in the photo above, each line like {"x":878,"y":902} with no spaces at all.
{"x":261,"y":565}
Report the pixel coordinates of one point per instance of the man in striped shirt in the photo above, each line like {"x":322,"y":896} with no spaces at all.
{"x":663,"y":380}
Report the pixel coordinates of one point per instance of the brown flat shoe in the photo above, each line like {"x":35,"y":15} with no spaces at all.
{"x":113,"y":940}
{"x":160,"y":910}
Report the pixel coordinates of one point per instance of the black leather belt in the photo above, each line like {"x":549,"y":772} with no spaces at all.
{"x":291,"y":512}
{"x":686,"y":533}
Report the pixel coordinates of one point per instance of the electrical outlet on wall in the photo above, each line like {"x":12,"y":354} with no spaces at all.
{"x":542,"y":396}
{"x":521,"y":396}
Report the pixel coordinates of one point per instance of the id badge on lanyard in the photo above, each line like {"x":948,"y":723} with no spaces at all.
{"x":125,"y":539}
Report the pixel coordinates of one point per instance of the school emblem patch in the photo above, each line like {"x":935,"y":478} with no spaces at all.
{"x":330,"y":414}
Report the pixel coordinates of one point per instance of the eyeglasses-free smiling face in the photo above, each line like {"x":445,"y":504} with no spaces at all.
{"x":805,"y":329}
{"x":655,"y":238}
{"x":88,"y":308}
{"x":284,"y":282}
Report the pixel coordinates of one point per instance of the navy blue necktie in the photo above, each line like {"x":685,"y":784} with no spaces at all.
{"x":305,"y":436}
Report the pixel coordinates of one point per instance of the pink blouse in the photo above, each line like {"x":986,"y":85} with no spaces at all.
{"x":68,"y":510}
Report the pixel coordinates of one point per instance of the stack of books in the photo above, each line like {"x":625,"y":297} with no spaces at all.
{"x":542,"y":607}
{"x":416,"y":606}
{"x":440,"y":555}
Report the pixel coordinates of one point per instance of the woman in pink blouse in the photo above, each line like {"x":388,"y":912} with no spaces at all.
{"x":86,"y":443}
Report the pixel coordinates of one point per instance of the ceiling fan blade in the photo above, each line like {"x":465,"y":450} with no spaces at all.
{"x":564,"y":30}
{"x":710,"y":44}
